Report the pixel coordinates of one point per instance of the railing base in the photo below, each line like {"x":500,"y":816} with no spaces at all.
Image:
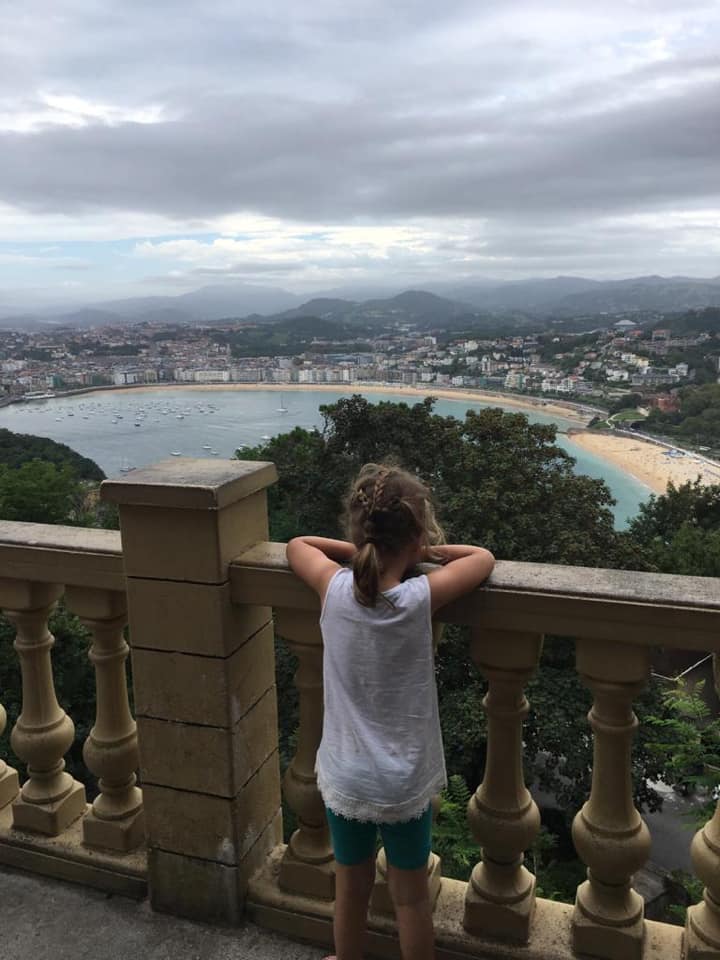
{"x":9,"y":786}
{"x":65,"y":858}
{"x":121,"y":835}
{"x":50,"y":818}
{"x":302,"y":918}
{"x":381,"y":901}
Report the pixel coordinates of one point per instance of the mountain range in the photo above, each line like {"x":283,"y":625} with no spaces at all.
{"x":436,"y":303}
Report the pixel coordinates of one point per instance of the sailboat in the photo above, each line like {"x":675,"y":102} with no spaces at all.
{"x":282,"y":408}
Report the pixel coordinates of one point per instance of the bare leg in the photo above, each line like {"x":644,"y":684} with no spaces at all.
{"x":411,"y":896}
{"x":353,"y":886}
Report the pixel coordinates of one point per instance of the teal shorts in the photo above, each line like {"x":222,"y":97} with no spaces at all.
{"x":407,"y":844}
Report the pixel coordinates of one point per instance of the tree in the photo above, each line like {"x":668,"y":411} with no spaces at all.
{"x":679,"y":531}
{"x":499,"y":480}
{"x":40,"y":492}
{"x":18,"y":448}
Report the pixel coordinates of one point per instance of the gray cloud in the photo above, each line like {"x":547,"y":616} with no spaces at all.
{"x":533,"y":119}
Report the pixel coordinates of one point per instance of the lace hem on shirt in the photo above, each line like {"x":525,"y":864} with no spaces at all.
{"x":368,"y":812}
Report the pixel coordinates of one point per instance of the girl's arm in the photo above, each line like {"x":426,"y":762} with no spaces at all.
{"x":316,"y":560}
{"x":465,"y":567}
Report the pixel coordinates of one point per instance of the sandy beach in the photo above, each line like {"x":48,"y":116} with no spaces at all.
{"x":647,"y":462}
{"x":413,"y":394}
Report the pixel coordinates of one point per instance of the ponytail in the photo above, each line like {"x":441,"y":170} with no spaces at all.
{"x":366,"y":574}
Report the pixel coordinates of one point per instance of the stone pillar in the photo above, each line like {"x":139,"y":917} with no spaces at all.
{"x":203,"y":679}
{"x":503,"y":817}
{"x":9,"y":784}
{"x":702,"y":928}
{"x":115,"y":820}
{"x":609,"y":834}
{"x":308,"y":866}
{"x":50,"y":798}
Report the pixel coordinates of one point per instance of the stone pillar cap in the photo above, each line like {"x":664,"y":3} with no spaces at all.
{"x":191,"y":484}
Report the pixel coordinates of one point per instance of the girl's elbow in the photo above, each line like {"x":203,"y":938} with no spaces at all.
{"x":291,"y":550}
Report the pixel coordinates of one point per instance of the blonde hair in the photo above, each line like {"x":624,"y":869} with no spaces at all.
{"x":386,"y":510}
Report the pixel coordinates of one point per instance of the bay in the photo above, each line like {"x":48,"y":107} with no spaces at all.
{"x":133,"y":428}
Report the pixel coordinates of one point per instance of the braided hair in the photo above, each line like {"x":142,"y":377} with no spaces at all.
{"x":387,"y":509}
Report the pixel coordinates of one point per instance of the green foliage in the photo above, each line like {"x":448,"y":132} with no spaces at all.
{"x":626,"y":401}
{"x":557,"y":878}
{"x":39,"y":492}
{"x":19,"y":448}
{"x":693,"y":321}
{"x":452,"y":840}
{"x":687,"y":738}
{"x":679,"y":532}
{"x":686,"y":890}
{"x":499,"y":480}
{"x":698,"y":418}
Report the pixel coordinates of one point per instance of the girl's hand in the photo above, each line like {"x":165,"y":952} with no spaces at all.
{"x":434,"y":554}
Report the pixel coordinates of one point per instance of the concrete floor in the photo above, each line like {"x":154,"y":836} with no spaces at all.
{"x":52,"y":920}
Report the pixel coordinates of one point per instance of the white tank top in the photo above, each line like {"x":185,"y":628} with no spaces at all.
{"x":381,"y":756}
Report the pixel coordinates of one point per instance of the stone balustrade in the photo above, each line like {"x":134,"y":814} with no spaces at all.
{"x":189,"y":793}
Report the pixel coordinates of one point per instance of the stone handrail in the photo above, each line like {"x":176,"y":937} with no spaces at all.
{"x":644,"y":609}
{"x":202,"y":587}
{"x":73,"y":556}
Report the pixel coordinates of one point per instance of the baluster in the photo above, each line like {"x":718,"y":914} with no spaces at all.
{"x":503,"y":817}
{"x":308,"y":866}
{"x":50,"y":798}
{"x":9,"y":784}
{"x":610,"y":836}
{"x":115,"y":820}
{"x":702,"y":928}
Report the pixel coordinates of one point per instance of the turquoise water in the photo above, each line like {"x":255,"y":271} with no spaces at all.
{"x":135,"y":428}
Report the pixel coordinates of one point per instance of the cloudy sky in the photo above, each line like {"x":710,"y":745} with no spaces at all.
{"x":159,"y":146}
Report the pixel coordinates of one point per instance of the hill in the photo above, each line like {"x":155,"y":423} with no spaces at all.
{"x":19,"y":448}
{"x":437,"y":304}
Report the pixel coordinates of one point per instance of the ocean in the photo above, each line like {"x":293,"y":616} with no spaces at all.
{"x":128,"y":428}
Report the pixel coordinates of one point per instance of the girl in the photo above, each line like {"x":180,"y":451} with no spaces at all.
{"x":380,"y":760}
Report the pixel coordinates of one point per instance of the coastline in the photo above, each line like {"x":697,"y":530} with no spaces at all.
{"x":567,"y":412}
{"x":646,"y":461}
{"x":641,"y":458}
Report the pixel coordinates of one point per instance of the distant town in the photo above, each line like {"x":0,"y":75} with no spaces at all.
{"x":598,"y":365}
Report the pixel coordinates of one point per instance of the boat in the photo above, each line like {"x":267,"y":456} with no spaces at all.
{"x":179,"y":416}
{"x":207,"y":446}
{"x":266,"y":436}
{"x":126,"y":466}
{"x":282,"y":408}
{"x":137,"y":423}
{"x":113,"y":421}
{"x":176,"y":453}
{"x":37,"y":396}
{"x":214,"y":453}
